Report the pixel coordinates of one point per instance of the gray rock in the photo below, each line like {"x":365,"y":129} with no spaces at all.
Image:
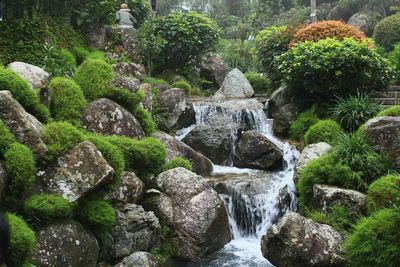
{"x":341,"y":12}
{"x":309,"y":153}
{"x":106,"y":117}
{"x":196,"y":213}
{"x":79,"y":171}
{"x":147,"y":102}
{"x":135,"y":230}
{"x":235,"y":85}
{"x":3,"y":182}
{"x":214,"y":139}
{"x":129,"y":42}
{"x":365,"y":21}
{"x":66,"y":244}
{"x":384,"y":132}
{"x":298,"y":241}
{"x":37,"y":77}
{"x":256,"y":151}
{"x":138,"y":259}
{"x":132,"y":84}
{"x":180,"y":112}
{"x":284,"y":118}
{"x":26,"y":128}
{"x":98,"y":36}
{"x":130,"y":191}
{"x":213,"y":68}
{"x":325,"y":196}
{"x":175,"y":148}
{"x":130,"y":69}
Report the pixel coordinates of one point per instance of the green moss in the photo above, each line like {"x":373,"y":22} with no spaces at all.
{"x":325,"y":170}
{"x":22,"y":240}
{"x":392,"y":111}
{"x":300,"y":126}
{"x":47,"y":207}
{"x":375,"y":240}
{"x":59,"y":62}
{"x":20,"y":167}
{"x":146,"y":121}
{"x":155,"y":82}
{"x":183,"y":85}
{"x":96,"y":54}
{"x":94,"y":78}
{"x":81,"y":54}
{"x":67,"y":100}
{"x":176,"y":162}
{"x":125,"y":98}
{"x":167,"y":248}
{"x":323,"y":131}
{"x":99,"y":215}
{"x":60,"y":137}
{"x":22,"y":92}
{"x":6,"y":138}
{"x":259,"y":82}
{"x":384,"y":193}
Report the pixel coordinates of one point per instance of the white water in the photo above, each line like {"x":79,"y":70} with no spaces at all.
{"x":250,"y":216}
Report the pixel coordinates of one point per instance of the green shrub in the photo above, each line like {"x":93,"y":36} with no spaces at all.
{"x":111,"y":153}
{"x":183,"y":85}
{"x":392,"y":111}
{"x":271,"y":43}
{"x":146,"y":121}
{"x":330,"y":68}
{"x":6,"y":138}
{"x":96,"y":54}
{"x":303,"y":122}
{"x":176,"y":162}
{"x":387,"y":32}
{"x":144,"y":157}
{"x":355,"y":110}
{"x":94,"y":78}
{"x":260,"y":84}
{"x":59,"y":62}
{"x":81,"y":54}
{"x":22,"y":240}
{"x":155,"y":82}
{"x":22,"y":92}
{"x":20,"y":167}
{"x":356,"y":152}
{"x":325,"y":170}
{"x":384,"y":193}
{"x":97,"y":214}
{"x":67,"y":100}
{"x":47,"y":207}
{"x":323,"y":131}
{"x":394,"y":58}
{"x":125,"y":98}
{"x":60,"y":137}
{"x":375,"y":240}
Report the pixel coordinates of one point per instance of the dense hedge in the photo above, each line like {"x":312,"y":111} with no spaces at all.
{"x":387,"y":32}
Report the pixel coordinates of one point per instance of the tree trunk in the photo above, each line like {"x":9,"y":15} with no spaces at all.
{"x":313,"y":15}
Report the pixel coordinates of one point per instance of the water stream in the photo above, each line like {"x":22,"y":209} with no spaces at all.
{"x":254,"y":199}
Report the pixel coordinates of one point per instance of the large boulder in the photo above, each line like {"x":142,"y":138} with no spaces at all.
{"x":26,"y":128}
{"x":309,"y":153}
{"x":325,"y":196}
{"x":284,"y":118}
{"x":235,"y":85}
{"x":384,"y":132}
{"x":138,"y":259}
{"x":135,"y":230}
{"x":213,"y":68}
{"x":179,"y":110}
{"x":104,"y":116}
{"x":341,"y":12}
{"x":130,"y":69}
{"x":256,"y":151}
{"x":98,"y":36}
{"x":37,"y":77}
{"x":129,"y":83}
{"x":79,"y":171}
{"x":175,"y":148}
{"x":3,"y":182}
{"x":196,"y":213}
{"x":214,"y":139}
{"x":66,"y":244}
{"x":298,"y":241}
{"x":365,"y":21}
{"x":130,"y":190}
{"x":129,"y":41}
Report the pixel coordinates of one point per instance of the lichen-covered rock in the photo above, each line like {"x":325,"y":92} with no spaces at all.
{"x":138,"y":259}
{"x":213,"y":68}
{"x":98,"y":35}
{"x":129,"y":191}
{"x":66,"y":244}
{"x":196,"y":213}
{"x":79,"y":171}
{"x":235,"y":85}
{"x":130,"y":69}
{"x":26,"y":128}
{"x":325,"y":196}
{"x":129,"y":41}
{"x":106,"y":117}
{"x":309,"y":153}
{"x":131,"y":84}
{"x":37,"y":77}
{"x":384,"y":132}
{"x":135,"y":230}
{"x":3,"y":181}
{"x":214,"y":138}
{"x":147,"y":102}
{"x":256,"y":151}
{"x":297,"y":241}
{"x":175,"y":148}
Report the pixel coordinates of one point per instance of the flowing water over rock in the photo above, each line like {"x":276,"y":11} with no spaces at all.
{"x":254,"y":199}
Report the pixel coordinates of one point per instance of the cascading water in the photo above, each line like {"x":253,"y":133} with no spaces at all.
{"x":254,"y":199}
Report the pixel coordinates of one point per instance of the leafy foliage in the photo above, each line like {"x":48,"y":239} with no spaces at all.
{"x":323,"y":131}
{"x":330,"y":68}
{"x":259,"y":82}
{"x":97,"y":214}
{"x":176,"y":162}
{"x":47,"y":207}
{"x":387,"y":32}
{"x":59,"y":62}
{"x":301,"y":125}
{"x":6,"y":138}
{"x":384,"y":193}
{"x":375,"y":240}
